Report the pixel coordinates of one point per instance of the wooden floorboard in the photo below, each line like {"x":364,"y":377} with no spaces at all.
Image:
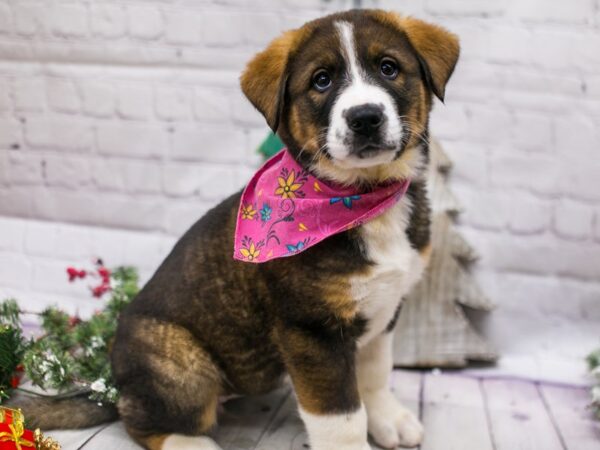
{"x":454,"y":414}
{"x":578,"y":428}
{"x":518,"y":417}
{"x":459,"y":413}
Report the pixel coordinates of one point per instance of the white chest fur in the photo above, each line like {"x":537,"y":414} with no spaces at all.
{"x":397,"y":268}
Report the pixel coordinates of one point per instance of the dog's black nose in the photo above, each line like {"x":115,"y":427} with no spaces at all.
{"x":365,"y":119}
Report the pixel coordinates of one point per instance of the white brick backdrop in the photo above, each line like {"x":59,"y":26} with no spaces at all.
{"x":121,"y":122}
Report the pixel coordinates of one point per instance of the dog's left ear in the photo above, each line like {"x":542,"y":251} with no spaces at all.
{"x":437,"y":49}
{"x":265,"y":78}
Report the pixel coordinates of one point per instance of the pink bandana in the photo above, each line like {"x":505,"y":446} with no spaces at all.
{"x":284,"y":210}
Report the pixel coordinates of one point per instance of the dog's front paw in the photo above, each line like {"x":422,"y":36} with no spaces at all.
{"x":391,"y":424}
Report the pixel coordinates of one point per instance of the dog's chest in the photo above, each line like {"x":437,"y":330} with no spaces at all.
{"x":397,"y":267}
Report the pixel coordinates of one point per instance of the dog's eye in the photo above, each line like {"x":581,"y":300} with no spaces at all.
{"x":388,"y":68}
{"x":321,"y":80}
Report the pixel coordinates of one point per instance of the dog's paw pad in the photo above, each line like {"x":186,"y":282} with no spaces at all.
{"x":410,"y":430}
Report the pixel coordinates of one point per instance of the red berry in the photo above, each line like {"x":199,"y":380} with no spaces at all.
{"x":72,"y":272}
{"x":15,"y":381}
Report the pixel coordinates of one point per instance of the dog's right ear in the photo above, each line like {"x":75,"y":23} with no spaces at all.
{"x":264,"y":81}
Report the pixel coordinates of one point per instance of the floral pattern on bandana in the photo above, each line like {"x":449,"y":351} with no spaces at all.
{"x":285,"y":210}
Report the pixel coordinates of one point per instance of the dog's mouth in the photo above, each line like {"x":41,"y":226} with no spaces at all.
{"x":371,"y":150}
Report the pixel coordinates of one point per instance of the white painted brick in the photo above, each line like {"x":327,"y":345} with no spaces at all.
{"x":533,"y":132}
{"x":506,"y":44}
{"x":488,"y":124}
{"x":98,"y":98}
{"x":29,"y":94}
{"x":173,"y":103}
{"x":577,"y":137}
{"x":16,"y":270}
{"x":553,"y":11}
{"x":597,"y":224}
{"x":182,"y":214}
{"x":10,"y":133}
{"x":6,"y":23}
{"x":243,"y":111}
{"x":529,"y":214}
{"x":145,"y":22}
{"x":60,"y":134}
{"x":579,"y":179}
{"x":482,"y":8}
{"x":28,"y":17}
{"x":16,"y":201}
{"x":486,"y":209}
{"x":223,"y":29}
{"x":40,"y":238}
{"x":25,"y":168}
{"x":12,"y":236}
{"x":573,"y":220}
{"x":68,"y":19}
{"x":212,"y":104}
{"x":5,"y":102}
{"x":207,"y":182}
{"x":108,"y":21}
{"x":470,"y":163}
{"x":260,"y":29}
{"x":182,"y":27}
{"x":134,"y":101}
{"x":127,"y":176}
{"x":62,"y":95}
{"x":538,"y":173}
{"x":450,"y":122}
{"x":134,"y":140}
{"x":67,"y":171}
{"x":214,"y":144}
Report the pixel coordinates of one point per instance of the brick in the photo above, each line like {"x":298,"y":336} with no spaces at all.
{"x":487,"y":210}
{"x":28,"y":17}
{"x":67,"y":171}
{"x":573,"y":220}
{"x":145,"y":22}
{"x":143,"y":250}
{"x":212,"y":104}
{"x":50,"y":276}
{"x":16,"y":270}
{"x":221,"y":29}
{"x":577,"y":136}
{"x":470,"y":163}
{"x":98,"y":98}
{"x":6,"y":23}
{"x":135,"y":140}
{"x":134,"y":101}
{"x":9,"y":134}
{"x":60,"y":134}
{"x":127,"y":176}
{"x":214,"y":144}
{"x":13,"y":234}
{"x":579,"y":179}
{"x":260,"y":29}
{"x":16,"y":201}
{"x":450,"y":122}
{"x":555,"y":49}
{"x":182,"y":214}
{"x":5,"y":102}
{"x":533,"y":132}
{"x":483,"y":8}
{"x":597,"y":224}
{"x":243,"y":111}
{"x":68,"y":20}
{"x":210,"y":183}
{"x":506,"y":44}
{"x":182,"y":27}
{"x":62,"y":95}
{"x":553,"y":11}
{"x":29,"y":94}
{"x":108,"y":21}
{"x":25,"y":168}
{"x":488,"y":124}
{"x":74,"y":242}
{"x":539,"y":174}
{"x":173,"y":103}
{"x":529,"y":214}
{"x":40,"y":238}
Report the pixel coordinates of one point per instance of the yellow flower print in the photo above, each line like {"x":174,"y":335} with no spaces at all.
{"x":248,"y":212}
{"x":250,"y":253}
{"x":287,"y":187}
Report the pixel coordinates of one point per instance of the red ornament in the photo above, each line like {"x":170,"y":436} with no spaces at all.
{"x":74,"y":273}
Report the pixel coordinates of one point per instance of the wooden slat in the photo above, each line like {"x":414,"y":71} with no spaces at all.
{"x":575,"y":422}
{"x":113,"y":437}
{"x":286,"y":431}
{"x":454,"y":414}
{"x":73,"y":439}
{"x":518,"y":417}
{"x":244,"y":420}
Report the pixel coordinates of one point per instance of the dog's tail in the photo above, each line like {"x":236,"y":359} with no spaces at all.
{"x":65,"y":413}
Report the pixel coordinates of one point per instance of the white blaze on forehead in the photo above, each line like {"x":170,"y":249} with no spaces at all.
{"x":358,"y":90}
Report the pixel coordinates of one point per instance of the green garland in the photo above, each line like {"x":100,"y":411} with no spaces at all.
{"x":594,"y":364}
{"x":71,"y":356}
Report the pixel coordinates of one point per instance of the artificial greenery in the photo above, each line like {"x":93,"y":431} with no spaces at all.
{"x":594,"y":364}
{"x":72,"y":354}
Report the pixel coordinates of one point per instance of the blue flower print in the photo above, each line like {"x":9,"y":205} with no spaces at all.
{"x":295,"y":248}
{"x":265,"y":212}
{"x":347,"y":201}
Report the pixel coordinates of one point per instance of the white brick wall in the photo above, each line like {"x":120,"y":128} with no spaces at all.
{"x":122,"y":122}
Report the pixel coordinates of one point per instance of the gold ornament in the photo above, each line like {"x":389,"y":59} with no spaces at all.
{"x":44,"y":443}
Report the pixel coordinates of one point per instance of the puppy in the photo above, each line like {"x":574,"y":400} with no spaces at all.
{"x":350,"y":96}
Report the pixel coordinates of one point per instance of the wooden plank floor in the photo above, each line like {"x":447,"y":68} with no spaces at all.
{"x":459,"y":412}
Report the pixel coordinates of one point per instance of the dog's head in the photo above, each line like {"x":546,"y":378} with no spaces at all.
{"x":350,"y":93}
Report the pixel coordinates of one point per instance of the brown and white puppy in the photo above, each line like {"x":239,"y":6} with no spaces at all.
{"x":350,"y":95}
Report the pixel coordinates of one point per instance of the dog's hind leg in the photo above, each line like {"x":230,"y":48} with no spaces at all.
{"x":169,"y":386}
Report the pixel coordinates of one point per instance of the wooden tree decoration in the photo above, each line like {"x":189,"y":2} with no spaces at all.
{"x":432,"y":329}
